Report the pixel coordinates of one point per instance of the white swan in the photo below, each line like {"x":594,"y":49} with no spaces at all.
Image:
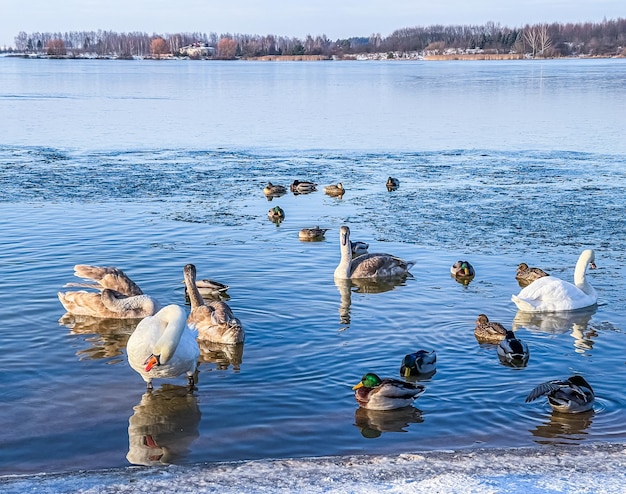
{"x":551,"y":294}
{"x":163,"y":346}
{"x":368,"y":265}
{"x":118,"y":296}
{"x":214,"y":321}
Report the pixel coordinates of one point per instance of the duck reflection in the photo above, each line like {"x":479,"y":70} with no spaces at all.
{"x":363,"y":285}
{"x":564,"y":428}
{"x":223,"y":356}
{"x":109,"y":336}
{"x":373,"y":423}
{"x":164,"y":425}
{"x":561,"y":322}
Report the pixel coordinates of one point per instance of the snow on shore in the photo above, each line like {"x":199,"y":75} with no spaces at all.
{"x":572,"y":469}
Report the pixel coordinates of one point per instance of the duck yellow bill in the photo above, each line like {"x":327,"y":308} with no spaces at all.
{"x":360,"y":385}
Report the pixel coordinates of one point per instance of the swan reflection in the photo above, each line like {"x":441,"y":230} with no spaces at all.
{"x":164,"y":425}
{"x":561,"y":322}
{"x":223,"y":356}
{"x":564,"y":428}
{"x":373,"y":423}
{"x":109,"y":336}
{"x":363,"y":285}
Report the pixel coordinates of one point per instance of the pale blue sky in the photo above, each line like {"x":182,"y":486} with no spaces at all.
{"x":335,"y":18}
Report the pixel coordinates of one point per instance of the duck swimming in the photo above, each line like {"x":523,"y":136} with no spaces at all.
{"x":214,"y":321}
{"x":392,"y":183}
{"x":274,"y":190}
{"x":374,"y":393}
{"x":574,"y":395}
{"x":368,"y":265}
{"x":303,"y":187}
{"x":209,"y":288}
{"x":487,"y":331}
{"x":359,"y":248}
{"x":513,"y":351}
{"x":334,"y":190}
{"x":551,"y":294}
{"x":419,"y":363}
{"x":276,"y":214}
{"x":525,"y":275}
{"x":462,"y":270}
{"x":309,"y":234}
{"x":118,"y":296}
{"x":162,"y":346}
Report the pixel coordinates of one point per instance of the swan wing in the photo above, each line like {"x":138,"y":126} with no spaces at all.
{"x":379,"y":265}
{"x":551,"y":294}
{"x":108,"y":277}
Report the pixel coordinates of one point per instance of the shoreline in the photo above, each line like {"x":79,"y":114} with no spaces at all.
{"x":562,"y":468}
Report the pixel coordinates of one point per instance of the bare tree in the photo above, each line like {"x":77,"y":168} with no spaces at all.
{"x":532,"y":38}
{"x":543,"y":39}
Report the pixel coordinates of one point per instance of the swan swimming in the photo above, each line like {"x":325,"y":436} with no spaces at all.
{"x":214,"y":321}
{"x":552,"y":294}
{"x":163,"y":346}
{"x":368,"y":265}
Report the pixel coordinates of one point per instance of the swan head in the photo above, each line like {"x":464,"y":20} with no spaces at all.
{"x":344,"y":236}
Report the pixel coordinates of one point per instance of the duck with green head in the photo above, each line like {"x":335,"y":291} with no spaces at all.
{"x":375,"y":393}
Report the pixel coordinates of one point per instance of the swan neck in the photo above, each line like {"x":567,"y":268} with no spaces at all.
{"x":580,"y":279}
{"x":195,"y":299}
{"x":343,"y":269}
{"x":175,"y":321}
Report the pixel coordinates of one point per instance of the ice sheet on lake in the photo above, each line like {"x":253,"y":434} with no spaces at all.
{"x":590,"y":468}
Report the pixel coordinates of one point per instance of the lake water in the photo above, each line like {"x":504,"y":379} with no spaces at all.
{"x":149,"y":165}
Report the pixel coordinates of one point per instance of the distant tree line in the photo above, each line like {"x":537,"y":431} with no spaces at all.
{"x":606,"y":38}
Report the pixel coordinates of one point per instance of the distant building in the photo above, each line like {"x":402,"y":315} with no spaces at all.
{"x":197,"y":50}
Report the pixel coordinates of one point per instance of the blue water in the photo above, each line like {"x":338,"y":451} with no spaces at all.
{"x":148,"y":166}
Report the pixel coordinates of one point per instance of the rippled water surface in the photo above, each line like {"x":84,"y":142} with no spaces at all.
{"x":83,"y":182}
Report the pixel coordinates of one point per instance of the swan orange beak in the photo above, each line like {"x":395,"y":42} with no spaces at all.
{"x":360,"y":385}
{"x":151,"y":361}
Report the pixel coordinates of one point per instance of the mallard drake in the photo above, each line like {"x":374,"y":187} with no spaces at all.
{"x":316,"y":233}
{"x":368,"y":265}
{"x":359,"y":248}
{"x":303,"y":187}
{"x":274,"y":190}
{"x":162,"y":346}
{"x":276,"y":214}
{"x":574,"y":395}
{"x":462,"y":270}
{"x":392,"y":183}
{"x":375,"y":393}
{"x":512,"y":350}
{"x":209,"y":288}
{"x":118,"y":296}
{"x":525,"y":275}
{"x":214,"y":321}
{"x":487,"y":331}
{"x":334,"y":190}
{"x":420,"y":363}
{"x":551,"y":294}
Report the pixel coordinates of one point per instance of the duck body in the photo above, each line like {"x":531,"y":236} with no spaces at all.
{"x":392,"y":183}
{"x":462,"y":270}
{"x":214,"y":321}
{"x":359,"y":248}
{"x":274,"y":190}
{"x":420,"y":363}
{"x":312,"y":234}
{"x":334,"y":189}
{"x":512,"y":350}
{"x":210,"y":288}
{"x":377,"y":265}
{"x":162,"y":346}
{"x":276,"y":214}
{"x":117,"y":296}
{"x":526,"y":275}
{"x":303,"y":187}
{"x":374,"y":393}
{"x":552,"y":294}
{"x":573,"y":395}
{"x":487,"y":331}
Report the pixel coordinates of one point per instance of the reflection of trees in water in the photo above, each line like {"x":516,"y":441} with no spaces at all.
{"x":561,"y":322}
{"x":346,"y":287}
{"x":223,"y":356}
{"x":564,"y":428}
{"x":108,"y":336}
{"x":163,"y":426}
{"x":374,"y":422}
